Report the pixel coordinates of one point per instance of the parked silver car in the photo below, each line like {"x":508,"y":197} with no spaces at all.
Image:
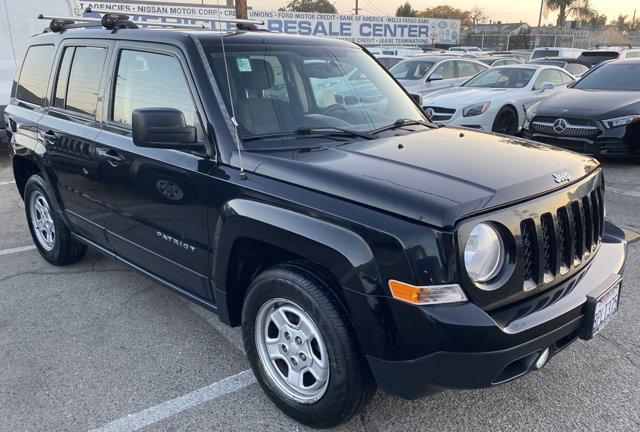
{"x":426,"y":74}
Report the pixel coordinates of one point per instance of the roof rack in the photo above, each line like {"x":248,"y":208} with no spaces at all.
{"x":243,"y":24}
{"x":109,"y":21}
{"x":114,"y":21}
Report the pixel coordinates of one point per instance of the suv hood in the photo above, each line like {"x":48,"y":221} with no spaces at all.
{"x":594,"y":104}
{"x":436,"y":176}
{"x":464,"y":96}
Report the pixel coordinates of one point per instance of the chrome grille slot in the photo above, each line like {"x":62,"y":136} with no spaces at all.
{"x":577,"y":232}
{"x":548,"y":247}
{"x":588,"y":224}
{"x":565,"y":240}
{"x":529,"y":253}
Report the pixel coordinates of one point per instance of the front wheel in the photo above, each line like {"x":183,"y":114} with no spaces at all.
{"x":506,"y":122}
{"x":302,"y":347}
{"x":51,"y":236}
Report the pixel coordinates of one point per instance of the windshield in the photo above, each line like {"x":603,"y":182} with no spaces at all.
{"x":545,"y":53}
{"x":502,"y":78}
{"x":278,"y":91}
{"x":411,"y":69}
{"x":612,"y":76}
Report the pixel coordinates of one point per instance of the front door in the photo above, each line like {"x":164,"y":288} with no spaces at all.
{"x":154,"y":199}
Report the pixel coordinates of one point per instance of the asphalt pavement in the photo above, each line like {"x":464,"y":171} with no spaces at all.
{"x":97,"y":346}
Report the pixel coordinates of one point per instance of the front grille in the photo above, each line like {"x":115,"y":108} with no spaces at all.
{"x":557,"y":241}
{"x":436,"y":114}
{"x":575,"y":127}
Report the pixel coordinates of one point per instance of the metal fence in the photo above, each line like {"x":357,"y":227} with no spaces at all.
{"x":500,"y":42}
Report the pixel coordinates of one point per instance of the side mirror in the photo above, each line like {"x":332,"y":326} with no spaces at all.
{"x":546,"y":86}
{"x":435,"y":77}
{"x":161,"y":128}
{"x":417,"y":98}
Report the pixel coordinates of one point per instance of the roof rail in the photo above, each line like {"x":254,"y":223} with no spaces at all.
{"x":109,"y":21}
{"x":59,"y":23}
{"x":243,"y":24}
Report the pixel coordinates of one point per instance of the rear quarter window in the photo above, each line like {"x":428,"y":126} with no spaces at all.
{"x":34,"y":75}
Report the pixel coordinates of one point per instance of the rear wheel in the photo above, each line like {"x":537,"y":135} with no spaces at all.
{"x":506,"y":122}
{"x":51,"y":236}
{"x":302,"y":347}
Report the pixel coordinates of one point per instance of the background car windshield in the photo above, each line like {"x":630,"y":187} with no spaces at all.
{"x":502,"y":78}
{"x":276,"y":90}
{"x":612,"y":76}
{"x":411,"y":69}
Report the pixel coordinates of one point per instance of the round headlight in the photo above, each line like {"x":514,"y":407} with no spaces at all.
{"x":483,"y":253}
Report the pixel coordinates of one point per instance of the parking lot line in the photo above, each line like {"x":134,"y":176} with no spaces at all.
{"x":10,"y":182}
{"x":16,"y":250}
{"x":146,"y":417}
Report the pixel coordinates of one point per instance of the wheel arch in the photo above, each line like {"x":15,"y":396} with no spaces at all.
{"x":23,"y":168}
{"x":251,"y":236}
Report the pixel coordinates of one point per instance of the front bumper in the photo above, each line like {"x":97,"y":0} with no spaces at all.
{"x":478,"y":349}
{"x":482,"y":122}
{"x":618,"y":142}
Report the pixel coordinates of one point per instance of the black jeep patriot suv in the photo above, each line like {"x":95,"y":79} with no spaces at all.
{"x":291,"y":186}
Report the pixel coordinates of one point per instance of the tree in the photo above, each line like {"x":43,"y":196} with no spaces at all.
{"x":596,"y":22}
{"x":322,"y":6}
{"x":621,"y":23}
{"x":406,"y":10}
{"x":448,"y":12}
{"x":477,"y":15}
{"x":579,"y":9}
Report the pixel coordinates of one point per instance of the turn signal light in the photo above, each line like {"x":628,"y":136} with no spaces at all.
{"x":426,"y":295}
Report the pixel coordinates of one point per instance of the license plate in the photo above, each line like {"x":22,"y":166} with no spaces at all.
{"x":600,"y":310}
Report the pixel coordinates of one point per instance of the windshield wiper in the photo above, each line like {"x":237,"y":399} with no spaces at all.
{"x":401,"y":123}
{"x":304,"y":132}
{"x":331,"y":130}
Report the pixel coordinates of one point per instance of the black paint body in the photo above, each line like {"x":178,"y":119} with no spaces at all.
{"x":368,"y":211}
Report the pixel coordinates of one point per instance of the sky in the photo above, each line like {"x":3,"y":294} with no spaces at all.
{"x":522,"y":10}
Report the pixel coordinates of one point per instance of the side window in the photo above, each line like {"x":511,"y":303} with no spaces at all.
{"x":84,"y":80}
{"x":565,"y":77}
{"x":445,"y":69}
{"x":63,"y":78}
{"x":479,"y":68}
{"x":466,"y":69}
{"x":549,"y":75}
{"x":150,"y":80}
{"x":34,"y":76}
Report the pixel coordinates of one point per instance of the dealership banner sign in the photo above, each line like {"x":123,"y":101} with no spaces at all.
{"x":362,"y":29}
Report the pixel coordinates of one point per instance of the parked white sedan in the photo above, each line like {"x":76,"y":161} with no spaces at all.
{"x":495,"y":99}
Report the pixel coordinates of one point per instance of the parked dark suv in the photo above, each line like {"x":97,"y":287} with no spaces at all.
{"x":357,"y":246}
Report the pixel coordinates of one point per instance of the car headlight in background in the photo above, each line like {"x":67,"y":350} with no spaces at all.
{"x":620,"y":121}
{"x":484,"y":253}
{"x":476,"y":109}
{"x":531,"y":111}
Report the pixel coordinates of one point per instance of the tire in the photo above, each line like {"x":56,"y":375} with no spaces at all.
{"x":300,"y":288}
{"x":506,"y":121}
{"x":50,"y":234}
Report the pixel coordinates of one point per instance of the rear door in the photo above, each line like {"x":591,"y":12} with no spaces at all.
{"x":29,"y":98}
{"x":69,"y":129}
{"x":154,"y":199}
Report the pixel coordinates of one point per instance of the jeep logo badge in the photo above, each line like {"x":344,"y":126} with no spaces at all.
{"x":562,"y":177}
{"x":560,"y":125}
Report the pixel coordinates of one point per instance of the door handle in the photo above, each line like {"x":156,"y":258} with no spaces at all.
{"x":50,"y":136}
{"x":111,"y":156}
